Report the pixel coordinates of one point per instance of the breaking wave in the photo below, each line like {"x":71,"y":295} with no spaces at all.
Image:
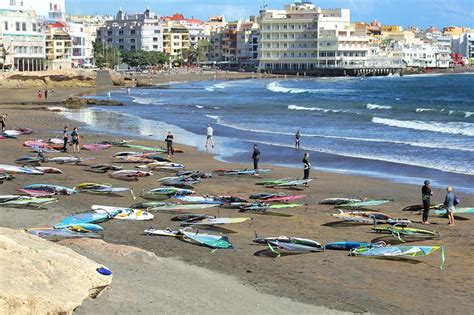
{"x":278,"y":88}
{"x":375,"y":106}
{"x":455,"y":128}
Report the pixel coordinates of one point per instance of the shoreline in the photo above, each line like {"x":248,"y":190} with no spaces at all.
{"x":314,"y":278}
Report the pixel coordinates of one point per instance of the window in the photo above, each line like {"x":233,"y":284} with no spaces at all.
{"x":132,"y":40}
{"x":133,"y":32}
{"x":155,"y":39}
{"x":157,"y":31}
{"x":121,"y":47}
{"x":120,"y":32}
{"x":132,"y":47}
{"x":121,"y":40}
{"x":109,"y":33}
{"x":34,"y":27}
{"x":155,"y":46}
{"x":17,"y":26}
{"x":6,"y":26}
{"x":23,"y":26}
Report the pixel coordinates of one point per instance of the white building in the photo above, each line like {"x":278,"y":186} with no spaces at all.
{"x":79,"y":47}
{"x":304,"y":37}
{"x":140,"y":31}
{"x":22,"y":44}
{"x":464,"y":45}
{"x":47,"y":9}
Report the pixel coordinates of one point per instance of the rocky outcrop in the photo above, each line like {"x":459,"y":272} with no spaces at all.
{"x":41,"y":277}
{"x":77,"y":102}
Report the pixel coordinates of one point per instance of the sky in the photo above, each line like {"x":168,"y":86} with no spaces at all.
{"x":422,"y":13}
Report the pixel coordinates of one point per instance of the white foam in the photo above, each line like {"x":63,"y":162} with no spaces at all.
{"x":218,"y":86}
{"x":456,"y":128}
{"x":468,"y":114}
{"x":420,"y":110}
{"x":433,"y":145}
{"x":145,"y":101}
{"x":325,"y":110}
{"x":278,"y":88}
{"x":199,"y":106}
{"x":376,"y":106}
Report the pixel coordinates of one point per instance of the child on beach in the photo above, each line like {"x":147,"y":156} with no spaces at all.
{"x":449,"y":204}
{"x":169,"y":144}
{"x":426,"y":194}
{"x":75,"y":140}
{"x":4,"y":121}
{"x":255,"y":158}
{"x":65,"y":138}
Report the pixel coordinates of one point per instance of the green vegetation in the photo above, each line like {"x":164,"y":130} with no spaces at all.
{"x":106,"y":56}
{"x":143,"y":58}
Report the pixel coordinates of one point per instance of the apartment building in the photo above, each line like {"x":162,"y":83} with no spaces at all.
{"x":140,"y":31}
{"x":303,"y":37}
{"x":176,"y":39}
{"x":196,"y":27}
{"x":52,"y":10}
{"x":58,"y":47}
{"x":236,"y":41}
{"x":464,"y":45}
{"x":22,"y":44}
{"x":90,"y":25}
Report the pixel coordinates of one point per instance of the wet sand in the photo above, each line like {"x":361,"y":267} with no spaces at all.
{"x":330,"y":279}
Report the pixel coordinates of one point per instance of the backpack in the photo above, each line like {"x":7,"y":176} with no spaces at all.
{"x":456,"y":200}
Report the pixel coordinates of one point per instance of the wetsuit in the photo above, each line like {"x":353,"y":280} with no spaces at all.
{"x":3,"y":123}
{"x":65,"y":138}
{"x":426,"y":198}
{"x":169,"y":144}
{"x":255,"y":158}
{"x":307,"y":167}
{"x":297,"y":140}
{"x":75,"y":137}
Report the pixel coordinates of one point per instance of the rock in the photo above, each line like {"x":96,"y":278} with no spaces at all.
{"x":41,"y":277}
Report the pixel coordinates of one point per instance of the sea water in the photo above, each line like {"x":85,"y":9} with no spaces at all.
{"x":405,"y":129}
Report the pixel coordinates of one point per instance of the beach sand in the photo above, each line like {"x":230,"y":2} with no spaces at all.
{"x":330,"y":279}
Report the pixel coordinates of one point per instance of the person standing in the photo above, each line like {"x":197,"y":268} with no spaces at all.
{"x":75,"y":140}
{"x":209,"y":135}
{"x":169,"y":144}
{"x":449,"y":204}
{"x":297,"y":140}
{"x":65,"y":138}
{"x":255,"y":158}
{"x":4,"y":122}
{"x":306,"y":166}
{"x":39,"y":95}
{"x":46,"y":94}
{"x":426,"y":194}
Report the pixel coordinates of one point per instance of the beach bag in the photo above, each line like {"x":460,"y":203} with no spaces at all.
{"x":456,"y":200}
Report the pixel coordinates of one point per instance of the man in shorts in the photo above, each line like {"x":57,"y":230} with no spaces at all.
{"x":209,"y":135}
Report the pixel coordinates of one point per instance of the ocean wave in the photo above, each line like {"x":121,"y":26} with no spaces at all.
{"x":375,"y":106}
{"x":199,"y":106}
{"x":432,"y":145}
{"x":145,"y":101}
{"x":456,"y":128}
{"x":278,"y":88}
{"x":420,"y":110}
{"x":218,"y":86}
{"x":382,"y":158}
{"x":325,"y":110}
{"x":468,"y":114}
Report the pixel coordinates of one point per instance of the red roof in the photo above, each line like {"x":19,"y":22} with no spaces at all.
{"x":180,"y":17}
{"x":57,"y":25}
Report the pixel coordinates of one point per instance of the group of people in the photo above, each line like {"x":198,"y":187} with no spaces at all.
{"x":74,"y":139}
{"x":43,"y":94}
{"x":450,"y":202}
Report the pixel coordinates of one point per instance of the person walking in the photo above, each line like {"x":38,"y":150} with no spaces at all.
{"x":426,"y":194}
{"x":297,"y":140}
{"x":169,"y":144}
{"x":209,"y":135}
{"x":65,"y":138}
{"x":46,"y":94}
{"x":306,"y":166}
{"x":255,"y":158}
{"x":449,"y":204}
{"x":75,"y":141}
{"x":4,"y":122}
